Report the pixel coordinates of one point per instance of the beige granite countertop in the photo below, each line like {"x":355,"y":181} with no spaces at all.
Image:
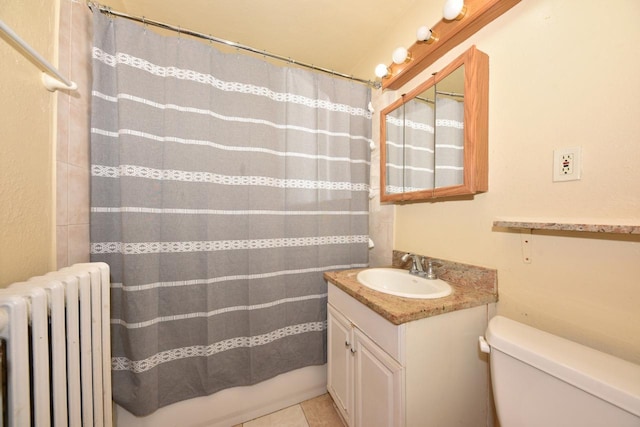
{"x":622,"y":227}
{"x":472,"y":286}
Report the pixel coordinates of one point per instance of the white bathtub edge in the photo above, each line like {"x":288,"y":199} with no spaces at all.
{"x":236,"y":405}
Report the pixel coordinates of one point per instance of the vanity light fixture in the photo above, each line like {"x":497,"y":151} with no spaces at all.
{"x":454,"y":10}
{"x":382,"y":70}
{"x":461,"y":19}
{"x":400,"y":55}
{"x":425,"y":34}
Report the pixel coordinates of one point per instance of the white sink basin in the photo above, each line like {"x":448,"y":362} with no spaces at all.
{"x":395,"y":281}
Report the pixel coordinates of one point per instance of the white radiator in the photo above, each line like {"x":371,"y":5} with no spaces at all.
{"x":56,"y":360}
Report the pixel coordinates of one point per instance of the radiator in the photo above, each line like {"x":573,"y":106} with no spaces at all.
{"x":56,"y":349}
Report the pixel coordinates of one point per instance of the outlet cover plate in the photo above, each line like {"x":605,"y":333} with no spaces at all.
{"x":567,"y":164}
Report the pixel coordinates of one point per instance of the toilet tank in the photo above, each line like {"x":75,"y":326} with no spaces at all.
{"x":540,"y":379}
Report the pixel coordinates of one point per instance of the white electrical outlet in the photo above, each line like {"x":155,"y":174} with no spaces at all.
{"x":567,"y":164}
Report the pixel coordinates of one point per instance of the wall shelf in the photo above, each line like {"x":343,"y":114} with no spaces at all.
{"x":585,"y":226}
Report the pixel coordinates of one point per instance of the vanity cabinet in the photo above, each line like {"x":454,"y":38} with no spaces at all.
{"x":424,"y":372}
{"x":365,"y":381}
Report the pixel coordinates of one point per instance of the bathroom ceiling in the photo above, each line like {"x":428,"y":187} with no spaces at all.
{"x":333,"y":34}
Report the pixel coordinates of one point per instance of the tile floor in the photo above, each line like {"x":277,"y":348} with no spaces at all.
{"x":317,"y":412}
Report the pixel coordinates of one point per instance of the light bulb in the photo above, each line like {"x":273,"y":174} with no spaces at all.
{"x":382,"y":70}
{"x":400,"y":55}
{"x":423,"y":33}
{"x":453,"y":9}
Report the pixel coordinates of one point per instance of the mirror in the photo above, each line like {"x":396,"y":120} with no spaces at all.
{"x":434,"y":139}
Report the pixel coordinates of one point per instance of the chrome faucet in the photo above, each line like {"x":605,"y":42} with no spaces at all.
{"x":416,"y":266}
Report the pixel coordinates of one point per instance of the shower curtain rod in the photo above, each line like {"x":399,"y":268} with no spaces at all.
{"x":108,"y":11}
{"x":459,"y":95}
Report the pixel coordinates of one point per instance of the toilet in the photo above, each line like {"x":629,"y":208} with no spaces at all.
{"x":542,"y":380}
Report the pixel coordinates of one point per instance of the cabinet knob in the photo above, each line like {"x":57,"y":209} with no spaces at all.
{"x":353,"y":350}
{"x":347,"y":344}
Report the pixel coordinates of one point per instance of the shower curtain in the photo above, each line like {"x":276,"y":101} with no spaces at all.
{"x":419,"y":156}
{"x":223,"y":187}
{"x":450,"y":141}
{"x":395,"y":149}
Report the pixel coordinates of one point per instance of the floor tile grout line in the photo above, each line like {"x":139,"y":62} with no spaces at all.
{"x":313,"y":422}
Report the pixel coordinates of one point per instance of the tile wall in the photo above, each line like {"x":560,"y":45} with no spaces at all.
{"x":72,"y":146}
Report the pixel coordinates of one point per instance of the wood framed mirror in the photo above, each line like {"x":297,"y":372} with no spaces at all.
{"x":433,"y":140}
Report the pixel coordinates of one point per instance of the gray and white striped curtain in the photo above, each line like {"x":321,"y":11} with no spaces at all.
{"x":410,"y":147}
{"x":395,"y":143}
{"x":425,"y":145}
{"x":419,"y":147}
{"x":449,"y":142}
{"x":222,"y":188}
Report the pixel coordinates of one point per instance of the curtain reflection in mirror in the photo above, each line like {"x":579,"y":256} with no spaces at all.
{"x":450,"y":146}
{"x":419,"y":147}
{"x":415,"y":161}
{"x":395,"y":151}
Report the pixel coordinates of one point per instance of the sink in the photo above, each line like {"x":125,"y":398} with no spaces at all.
{"x":395,"y":281}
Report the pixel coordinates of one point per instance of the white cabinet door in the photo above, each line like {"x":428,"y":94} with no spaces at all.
{"x":379,"y":385}
{"x":340,"y":363}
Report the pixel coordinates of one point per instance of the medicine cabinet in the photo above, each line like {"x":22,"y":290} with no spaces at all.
{"x":433,"y":139}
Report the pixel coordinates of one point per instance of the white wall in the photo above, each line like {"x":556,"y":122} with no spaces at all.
{"x":562,"y":74}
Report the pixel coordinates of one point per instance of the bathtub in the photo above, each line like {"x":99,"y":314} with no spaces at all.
{"x":235,"y":405}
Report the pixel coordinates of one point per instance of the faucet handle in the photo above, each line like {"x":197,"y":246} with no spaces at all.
{"x":430,"y":273}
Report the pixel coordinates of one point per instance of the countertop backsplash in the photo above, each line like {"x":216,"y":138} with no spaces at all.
{"x":480,"y":278}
